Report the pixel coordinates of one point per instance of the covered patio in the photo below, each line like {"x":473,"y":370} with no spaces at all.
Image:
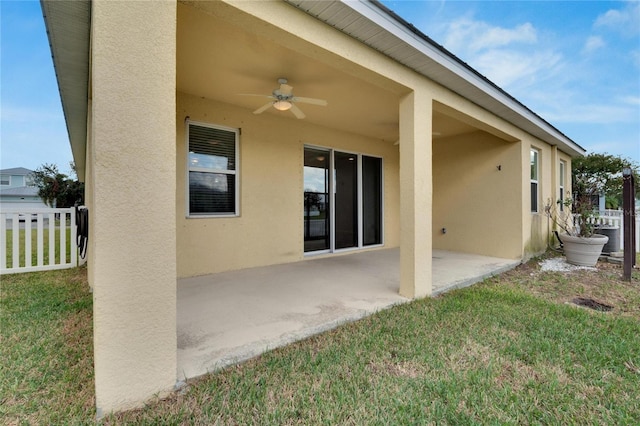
{"x":415,"y":150}
{"x":232,"y":316}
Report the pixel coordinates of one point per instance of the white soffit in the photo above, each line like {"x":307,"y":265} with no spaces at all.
{"x":379,"y":28}
{"x":68,"y":28}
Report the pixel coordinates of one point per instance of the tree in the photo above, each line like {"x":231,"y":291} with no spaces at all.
{"x":57,"y":189}
{"x":600,"y":174}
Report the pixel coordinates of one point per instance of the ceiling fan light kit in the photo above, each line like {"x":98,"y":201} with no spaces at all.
{"x":282,"y":99}
{"x":282,"y":105}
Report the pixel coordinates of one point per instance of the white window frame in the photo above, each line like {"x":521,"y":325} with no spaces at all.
{"x":561,"y":187}
{"x":235,"y":172}
{"x":8,"y":180}
{"x":535,"y":153}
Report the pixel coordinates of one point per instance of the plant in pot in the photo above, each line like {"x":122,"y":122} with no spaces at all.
{"x":577,"y":224}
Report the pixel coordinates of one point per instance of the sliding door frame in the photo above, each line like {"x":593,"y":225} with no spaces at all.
{"x":360,"y":201}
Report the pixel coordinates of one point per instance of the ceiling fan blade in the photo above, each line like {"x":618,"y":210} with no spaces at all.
{"x":286,"y":90}
{"x":255,"y":94}
{"x":263,"y":108}
{"x":311,"y":101}
{"x":297,"y":111}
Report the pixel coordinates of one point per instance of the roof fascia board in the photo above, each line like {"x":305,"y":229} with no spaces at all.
{"x":68,"y":25}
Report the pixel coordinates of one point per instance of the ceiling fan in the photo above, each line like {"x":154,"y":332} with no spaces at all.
{"x":282,"y":99}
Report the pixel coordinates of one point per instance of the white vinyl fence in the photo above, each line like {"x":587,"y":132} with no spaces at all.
{"x":614,"y":218}
{"x":37,"y":240}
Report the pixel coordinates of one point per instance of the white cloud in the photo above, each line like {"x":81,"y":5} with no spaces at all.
{"x":473,"y":36}
{"x":590,"y":113}
{"x":506,"y":56}
{"x":593,"y":43}
{"x":576,"y":80}
{"x":630,"y":100}
{"x":507,"y":67}
{"x":625,"y":21}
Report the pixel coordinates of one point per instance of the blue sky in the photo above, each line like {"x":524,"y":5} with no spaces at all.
{"x":32,"y":129}
{"x":576,"y":64}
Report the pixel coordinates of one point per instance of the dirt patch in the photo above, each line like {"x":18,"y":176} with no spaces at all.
{"x":407,"y":369}
{"x":591,"y":304}
{"x":603,"y":284}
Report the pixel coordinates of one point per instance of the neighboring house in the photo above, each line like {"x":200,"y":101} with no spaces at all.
{"x":182,"y":179}
{"x":17,"y":190}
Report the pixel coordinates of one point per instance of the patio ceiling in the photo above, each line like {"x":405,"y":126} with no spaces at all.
{"x":220,"y":60}
{"x":237,"y":61}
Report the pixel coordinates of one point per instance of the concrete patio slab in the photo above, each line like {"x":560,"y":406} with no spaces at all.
{"x":230,"y":317}
{"x":453,"y":270}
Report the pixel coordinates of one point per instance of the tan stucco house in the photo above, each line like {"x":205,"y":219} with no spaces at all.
{"x":414,"y":149}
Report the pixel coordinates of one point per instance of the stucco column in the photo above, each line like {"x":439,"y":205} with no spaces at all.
{"x":133,"y":213}
{"x":416,"y":195}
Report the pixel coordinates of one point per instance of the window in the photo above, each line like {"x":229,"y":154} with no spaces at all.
{"x":5,"y":180}
{"x":28,"y":180}
{"x":213,"y":170}
{"x":534,"y":180}
{"x":561,"y":176}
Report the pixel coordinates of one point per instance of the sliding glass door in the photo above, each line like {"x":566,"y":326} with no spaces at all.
{"x":342,"y":200}
{"x":371,"y":200}
{"x":346,"y":196}
{"x":316,"y":199}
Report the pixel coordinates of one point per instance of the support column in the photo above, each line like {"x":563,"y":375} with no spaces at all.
{"x":133,"y":211}
{"x":416,"y":195}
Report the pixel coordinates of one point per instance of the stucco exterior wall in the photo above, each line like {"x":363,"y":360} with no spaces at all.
{"x":132,"y":206}
{"x":533,"y":233}
{"x":476,"y":191}
{"x":537,"y":226}
{"x":269,"y":229}
{"x":506,"y":216}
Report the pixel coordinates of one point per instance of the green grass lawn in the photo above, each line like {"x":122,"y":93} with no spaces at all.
{"x":46,"y":373}
{"x":34,"y":246}
{"x":507,"y":351}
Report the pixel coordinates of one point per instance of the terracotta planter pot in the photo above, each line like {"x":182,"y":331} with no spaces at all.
{"x":583,"y":251}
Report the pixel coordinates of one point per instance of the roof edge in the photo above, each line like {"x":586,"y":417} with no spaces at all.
{"x":536,"y":117}
{"x":70,"y":46}
{"x":459,"y":71}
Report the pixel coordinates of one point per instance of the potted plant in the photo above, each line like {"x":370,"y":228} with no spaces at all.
{"x":582,"y":246}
